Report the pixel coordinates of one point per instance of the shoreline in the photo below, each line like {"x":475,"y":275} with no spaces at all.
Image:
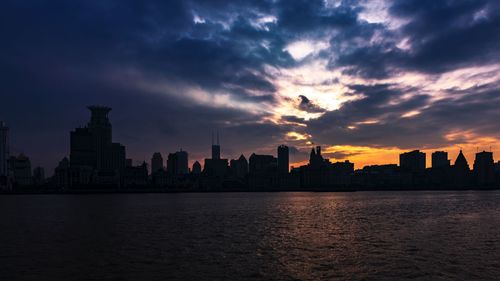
{"x":176,"y":191}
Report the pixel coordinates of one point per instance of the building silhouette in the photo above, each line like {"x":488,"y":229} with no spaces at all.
{"x":484,"y":168}
{"x":239,"y":167}
{"x":283,"y":160}
{"x":321,"y":173}
{"x":216,"y":167}
{"x":177,"y":163}
{"x":316,"y":160}
{"x":440,"y":173}
{"x":21,"y":170}
{"x":94,"y":158}
{"x":38,"y":176}
{"x":440,"y":159}
{"x":413,"y":161}
{"x":262,"y":171}
{"x":461,"y":171}
{"x":196,"y":169}
{"x":135,"y":176}
{"x":385,"y":176}
{"x":95,"y":161}
{"x":156,"y":163}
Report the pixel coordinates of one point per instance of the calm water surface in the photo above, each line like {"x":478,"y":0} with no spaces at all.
{"x":251,"y":236}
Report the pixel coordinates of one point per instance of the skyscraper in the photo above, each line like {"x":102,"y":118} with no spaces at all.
{"x":156,"y":162}
{"x":82,"y":150}
{"x":413,"y":161}
{"x":440,"y":159}
{"x":92,"y":145}
{"x":239,"y":167}
{"x":215,"y":166}
{"x":182,"y":157}
{"x":461,"y":171}
{"x":484,"y":166}
{"x":461,"y":162}
{"x":21,"y":169}
{"x":4,"y":148}
{"x":283,"y":159}
{"x":177,"y":163}
{"x":262,"y":164}
{"x":316,"y":160}
{"x":38,"y":176}
{"x":100,"y":127}
{"x":215,"y":148}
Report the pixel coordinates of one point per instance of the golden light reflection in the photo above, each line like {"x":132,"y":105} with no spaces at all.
{"x":294,"y":136}
{"x":410,"y":114}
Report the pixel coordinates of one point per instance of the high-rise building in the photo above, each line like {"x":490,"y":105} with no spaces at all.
{"x":440,"y":159}
{"x":484,"y":168}
{"x":239,"y":167}
{"x":283,"y":159}
{"x":215,"y":148}
{"x":38,"y":176}
{"x":262,"y":163}
{"x":92,"y":146}
{"x":61,"y":178}
{"x":82,"y":151}
{"x":135,"y":175}
{"x":215,"y":167}
{"x":156,"y":162}
{"x":177,"y":163}
{"x":115,"y":157}
{"x":101,"y":131}
{"x":4,"y":149}
{"x":461,"y":171}
{"x":461,"y":162}
{"x":21,"y":169}
{"x":413,"y":161}
{"x":316,"y":160}
{"x":262,"y":171}
{"x":182,"y":157}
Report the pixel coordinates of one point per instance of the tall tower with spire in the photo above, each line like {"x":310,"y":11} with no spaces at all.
{"x":215,"y":147}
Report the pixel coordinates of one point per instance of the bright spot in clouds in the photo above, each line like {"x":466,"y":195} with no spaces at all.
{"x":301,"y":49}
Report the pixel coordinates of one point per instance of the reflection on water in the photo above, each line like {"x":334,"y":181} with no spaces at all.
{"x":245,"y":236}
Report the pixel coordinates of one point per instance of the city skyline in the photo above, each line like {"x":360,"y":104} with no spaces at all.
{"x":97,"y":160}
{"x":217,"y":153}
{"x":366,"y":80}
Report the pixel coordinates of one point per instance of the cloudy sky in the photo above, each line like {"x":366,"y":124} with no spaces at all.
{"x":364,"y":79}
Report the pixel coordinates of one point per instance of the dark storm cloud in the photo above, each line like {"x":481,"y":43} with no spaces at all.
{"x":441,"y":36}
{"x":307,"y":105}
{"x":306,"y":15}
{"x":450,"y":34}
{"x":293,"y":119}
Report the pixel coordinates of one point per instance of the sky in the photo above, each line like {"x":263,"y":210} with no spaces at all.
{"x":366,"y":80}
